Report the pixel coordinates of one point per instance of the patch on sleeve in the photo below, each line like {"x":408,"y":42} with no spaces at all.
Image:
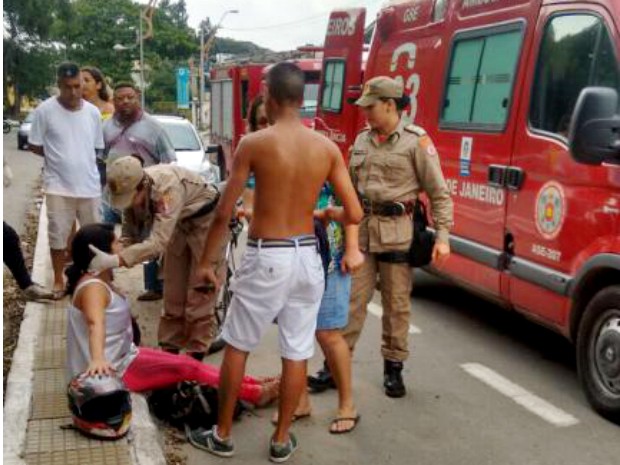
{"x":426,"y":144}
{"x":163,"y":205}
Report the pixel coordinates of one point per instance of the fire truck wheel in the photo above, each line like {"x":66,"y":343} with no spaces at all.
{"x":598,"y":352}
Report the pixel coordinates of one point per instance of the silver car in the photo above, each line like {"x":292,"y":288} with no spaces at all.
{"x":24,"y":131}
{"x":188,"y":147}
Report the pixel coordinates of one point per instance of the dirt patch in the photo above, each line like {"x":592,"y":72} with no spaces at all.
{"x":13,"y":303}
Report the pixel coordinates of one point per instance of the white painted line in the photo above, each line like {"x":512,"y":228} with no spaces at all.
{"x":377,"y":311}
{"x":521,"y":396}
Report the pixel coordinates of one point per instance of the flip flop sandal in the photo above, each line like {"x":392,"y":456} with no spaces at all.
{"x":335,"y":422}
{"x":295,"y":417}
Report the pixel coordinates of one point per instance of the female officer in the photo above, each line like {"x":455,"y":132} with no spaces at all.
{"x":391,"y":162}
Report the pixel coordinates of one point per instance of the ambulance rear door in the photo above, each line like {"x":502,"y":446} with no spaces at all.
{"x":342,"y":73}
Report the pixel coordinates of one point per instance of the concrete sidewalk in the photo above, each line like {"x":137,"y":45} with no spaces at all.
{"x":35,"y":407}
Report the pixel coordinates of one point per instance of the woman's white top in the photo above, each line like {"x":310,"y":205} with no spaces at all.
{"x":119,"y":347}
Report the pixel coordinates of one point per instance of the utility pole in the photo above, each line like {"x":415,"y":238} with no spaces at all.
{"x":201,"y":73}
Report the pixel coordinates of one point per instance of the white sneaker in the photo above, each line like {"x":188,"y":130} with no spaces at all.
{"x":37,"y":292}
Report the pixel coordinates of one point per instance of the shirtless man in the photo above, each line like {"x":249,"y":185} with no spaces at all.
{"x":281,"y":274}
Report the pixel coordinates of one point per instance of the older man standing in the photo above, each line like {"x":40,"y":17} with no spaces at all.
{"x":66,"y":131}
{"x":133,"y":131}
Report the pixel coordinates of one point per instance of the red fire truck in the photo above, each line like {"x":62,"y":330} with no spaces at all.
{"x":233,"y":87}
{"x":521,"y":100}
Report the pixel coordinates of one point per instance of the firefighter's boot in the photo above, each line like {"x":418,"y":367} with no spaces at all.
{"x":393,"y":379}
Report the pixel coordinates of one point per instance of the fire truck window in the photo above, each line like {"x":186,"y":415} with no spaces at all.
{"x":216,"y":108}
{"x":495,"y":78}
{"x":480,"y":82}
{"x":575,"y":52}
{"x":227,"y":109}
{"x":333,"y":86}
{"x":462,"y":81}
{"x":311,"y":97}
{"x":439,"y":10}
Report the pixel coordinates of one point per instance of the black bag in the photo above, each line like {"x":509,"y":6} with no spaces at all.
{"x":188,"y":403}
{"x":323,"y":245}
{"x":421,"y":251}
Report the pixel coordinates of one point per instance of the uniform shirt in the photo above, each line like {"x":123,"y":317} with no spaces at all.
{"x":394,"y":170}
{"x":144,"y":137}
{"x":69,"y":140}
{"x":335,"y":232}
{"x":175,"y":194}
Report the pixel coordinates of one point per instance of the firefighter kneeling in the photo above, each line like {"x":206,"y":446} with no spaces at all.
{"x":176,"y":206}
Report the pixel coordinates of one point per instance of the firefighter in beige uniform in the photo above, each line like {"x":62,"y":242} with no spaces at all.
{"x":175,"y":204}
{"x":391,"y":163}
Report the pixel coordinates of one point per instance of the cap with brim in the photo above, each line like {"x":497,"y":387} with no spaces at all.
{"x":379,"y":87}
{"x":123,"y":177}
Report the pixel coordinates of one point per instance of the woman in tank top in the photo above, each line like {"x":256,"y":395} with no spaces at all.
{"x":99,"y":334}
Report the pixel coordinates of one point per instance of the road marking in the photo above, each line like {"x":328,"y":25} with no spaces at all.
{"x":521,"y":396}
{"x":377,"y":311}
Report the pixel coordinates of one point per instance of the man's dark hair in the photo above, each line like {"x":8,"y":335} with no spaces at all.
{"x":67,"y":69}
{"x":124,"y":84}
{"x":285,"y":82}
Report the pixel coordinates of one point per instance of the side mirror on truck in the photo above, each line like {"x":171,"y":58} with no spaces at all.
{"x":594,"y":133}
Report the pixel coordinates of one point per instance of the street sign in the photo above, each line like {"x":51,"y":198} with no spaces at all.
{"x":183,"y":88}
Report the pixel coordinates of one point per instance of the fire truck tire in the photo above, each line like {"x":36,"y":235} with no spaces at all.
{"x":598,"y":352}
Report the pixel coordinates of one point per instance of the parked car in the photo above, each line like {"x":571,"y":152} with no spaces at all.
{"x":24,"y":131}
{"x":189,"y":149}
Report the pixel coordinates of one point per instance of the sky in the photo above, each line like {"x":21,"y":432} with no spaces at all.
{"x":275,"y":24}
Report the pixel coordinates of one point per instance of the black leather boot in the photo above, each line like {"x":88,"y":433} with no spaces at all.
{"x":322,"y":381}
{"x":393,"y":379}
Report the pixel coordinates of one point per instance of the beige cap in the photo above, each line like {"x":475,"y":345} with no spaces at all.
{"x":379,"y":87}
{"x":123,"y":176}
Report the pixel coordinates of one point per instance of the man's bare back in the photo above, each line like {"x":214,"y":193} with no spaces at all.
{"x":290,"y":163}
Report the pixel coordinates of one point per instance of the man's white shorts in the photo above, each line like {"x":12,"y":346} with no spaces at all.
{"x":63,"y":211}
{"x":285,"y":283}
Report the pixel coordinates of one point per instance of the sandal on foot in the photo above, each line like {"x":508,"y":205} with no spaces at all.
{"x":296,"y":416}
{"x":355,"y":420}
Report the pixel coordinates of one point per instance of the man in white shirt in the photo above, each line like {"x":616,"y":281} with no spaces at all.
{"x":66,"y":131}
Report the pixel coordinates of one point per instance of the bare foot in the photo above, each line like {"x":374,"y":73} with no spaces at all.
{"x":270,"y":391}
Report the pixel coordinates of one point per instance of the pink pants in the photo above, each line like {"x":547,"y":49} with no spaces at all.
{"x":156,"y":369}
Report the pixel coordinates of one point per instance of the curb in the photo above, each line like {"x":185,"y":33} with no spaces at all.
{"x":18,"y":401}
{"x":144,"y":440}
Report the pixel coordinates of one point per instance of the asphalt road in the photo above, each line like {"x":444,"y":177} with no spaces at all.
{"x":535,"y":414}
{"x":26,"y":167}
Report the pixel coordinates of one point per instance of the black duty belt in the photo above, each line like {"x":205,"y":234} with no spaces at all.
{"x":302,"y":241}
{"x":205,"y":209}
{"x":387,"y":208}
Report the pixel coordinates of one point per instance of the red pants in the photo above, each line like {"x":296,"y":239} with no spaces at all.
{"x":156,"y":369}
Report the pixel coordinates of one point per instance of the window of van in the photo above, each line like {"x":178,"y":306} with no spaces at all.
{"x":439,"y":10}
{"x":480,"y":80}
{"x":575,"y":52}
{"x":333,"y":86}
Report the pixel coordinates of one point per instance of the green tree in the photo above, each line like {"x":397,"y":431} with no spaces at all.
{"x":29,"y":55}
